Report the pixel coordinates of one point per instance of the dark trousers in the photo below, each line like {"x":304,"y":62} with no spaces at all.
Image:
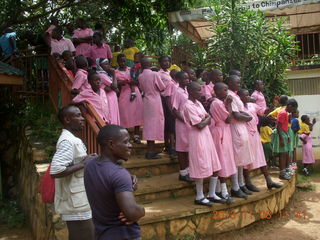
{"x":81,"y":230}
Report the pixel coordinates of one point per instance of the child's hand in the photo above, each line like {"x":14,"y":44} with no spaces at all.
{"x":229,"y":99}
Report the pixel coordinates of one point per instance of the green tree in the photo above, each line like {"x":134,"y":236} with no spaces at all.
{"x":248,"y":41}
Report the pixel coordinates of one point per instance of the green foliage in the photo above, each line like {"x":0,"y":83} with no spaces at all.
{"x":11,"y":214}
{"x":248,"y":41}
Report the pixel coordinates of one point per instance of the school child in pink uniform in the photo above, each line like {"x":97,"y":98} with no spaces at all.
{"x":167,"y":94}
{"x":240,"y":136}
{"x":259,"y":160}
{"x":99,"y":49}
{"x":80,"y":82}
{"x":221,"y":113}
{"x":203,"y":158}
{"x":59,"y":44}
{"x":130,"y":100}
{"x":82,"y":38}
{"x":54,"y":23}
{"x":95,"y":96}
{"x":182,"y":128}
{"x":259,"y":98}
{"x":153,"y":117}
{"x":306,"y":138}
{"x":110,"y":87}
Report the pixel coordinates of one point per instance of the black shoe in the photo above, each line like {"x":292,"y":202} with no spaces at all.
{"x":252,"y":188}
{"x":284,"y":175}
{"x":238,"y":194}
{"x":152,"y":156}
{"x":186,"y":178}
{"x":201,"y":202}
{"x":245,"y":190}
{"x":211,"y":199}
{"x":274,"y":185}
{"x":228,"y":199}
{"x":219,"y":194}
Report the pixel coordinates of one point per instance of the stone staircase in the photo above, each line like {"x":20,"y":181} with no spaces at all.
{"x":170,"y":211}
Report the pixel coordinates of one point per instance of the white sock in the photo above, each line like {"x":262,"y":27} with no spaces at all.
{"x":235,"y":183}
{"x":183,"y":172}
{"x":199,"y":188}
{"x":218,"y":187}
{"x":212,"y":188}
{"x":224,"y":190}
{"x":240,"y":176}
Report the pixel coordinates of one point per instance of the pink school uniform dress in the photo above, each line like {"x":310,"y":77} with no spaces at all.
{"x":59,"y":46}
{"x":182,"y":128}
{"x":222,"y":138}
{"x":153,"y":117}
{"x":259,"y":159}
{"x":131,"y":112}
{"x":207,"y":90}
{"x":81,"y":80}
{"x":260,"y":101}
{"x":240,"y":136}
{"x":100,"y":52}
{"x":203,"y":157}
{"x":99,"y":102}
{"x":112,"y":99}
{"x":308,"y":156}
{"x":83,"y":48}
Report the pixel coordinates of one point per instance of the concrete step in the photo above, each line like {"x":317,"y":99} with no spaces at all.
{"x":140,"y":149}
{"x":141,"y":167}
{"x":180,"y":218}
{"x":166,"y":186}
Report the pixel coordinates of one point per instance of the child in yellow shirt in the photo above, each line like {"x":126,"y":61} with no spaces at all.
{"x":265,"y":136}
{"x":129,"y":51}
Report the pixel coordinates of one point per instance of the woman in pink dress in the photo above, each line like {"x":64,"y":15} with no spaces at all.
{"x":221,"y":113}
{"x":110,"y":87}
{"x":95,"y":96}
{"x":130,"y":100}
{"x":203,"y":157}
{"x":259,"y":160}
{"x":82,"y":38}
{"x":182,"y":128}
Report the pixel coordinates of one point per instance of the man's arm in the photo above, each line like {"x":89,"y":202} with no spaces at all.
{"x":128,"y":205}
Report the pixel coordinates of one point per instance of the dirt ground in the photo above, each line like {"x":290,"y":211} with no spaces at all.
{"x":299,"y":220}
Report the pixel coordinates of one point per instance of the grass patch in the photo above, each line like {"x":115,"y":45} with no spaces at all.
{"x":305,"y":183}
{"x":11,"y":214}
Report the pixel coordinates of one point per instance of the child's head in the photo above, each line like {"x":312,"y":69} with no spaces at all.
{"x":266,"y":121}
{"x":99,"y":27}
{"x":283,"y":100}
{"x":235,"y":72}
{"x":121,"y":60}
{"x":56,"y":33}
{"x":81,"y":23}
{"x":173,"y":73}
{"x":194,"y":90}
{"x":221,"y":90}
{"x":199,"y":73}
{"x":216,"y":76}
{"x":145,"y":63}
{"x":205,"y":76}
{"x":97,"y":38}
{"x":54,"y":21}
{"x":191,"y":73}
{"x":69,"y":64}
{"x":305,"y":119}
{"x":117,"y":48}
{"x":81,"y":62}
{"x":292,"y":105}
{"x":94,"y":80}
{"x":244,"y":95}
{"x":295,"y":113}
{"x":182,"y":78}
{"x":103,"y":63}
{"x":66,"y":55}
{"x":137,"y":57}
{"x":164,"y":62}
{"x":90,"y":62}
{"x":129,"y":43}
{"x":234,"y":82}
{"x":259,"y":85}
{"x":70,"y":28}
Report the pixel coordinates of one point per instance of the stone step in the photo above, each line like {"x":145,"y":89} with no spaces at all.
{"x":168,"y":186}
{"x":138,"y":149}
{"x":141,"y":167}
{"x":180,"y":218}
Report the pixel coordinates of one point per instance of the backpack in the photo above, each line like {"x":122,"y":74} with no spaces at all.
{"x":47,"y":188}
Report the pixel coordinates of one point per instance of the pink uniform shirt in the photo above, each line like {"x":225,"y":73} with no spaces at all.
{"x":165,"y":76}
{"x":153,"y":117}
{"x":81,"y":80}
{"x":59,"y":46}
{"x":206,"y":90}
{"x":260,"y":101}
{"x":100,"y":52}
{"x":83,"y":48}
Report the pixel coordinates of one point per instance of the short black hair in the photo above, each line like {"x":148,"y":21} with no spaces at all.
{"x":234,"y":72}
{"x":99,"y":34}
{"x":219,"y":85}
{"x":121,"y":55}
{"x":232,"y":78}
{"x":160,"y":59}
{"x":292,"y":102}
{"x":108,"y":132}
{"x":91,"y":73}
{"x":62,"y":113}
{"x":179,"y":74}
{"x":192,"y":85}
{"x":283,"y":100}
{"x":242,"y":91}
{"x":304,"y":118}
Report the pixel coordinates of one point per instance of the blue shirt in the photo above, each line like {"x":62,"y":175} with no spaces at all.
{"x":103,"y":179}
{"x":295,"y":126}
{"x":5,"y":43}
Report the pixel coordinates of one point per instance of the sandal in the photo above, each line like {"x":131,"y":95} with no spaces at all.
{"x":201,"y":202}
